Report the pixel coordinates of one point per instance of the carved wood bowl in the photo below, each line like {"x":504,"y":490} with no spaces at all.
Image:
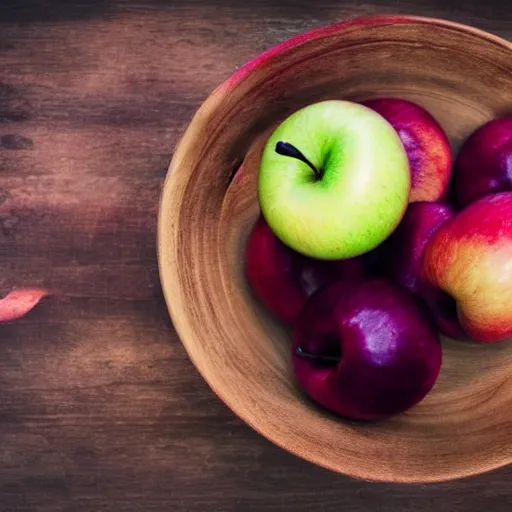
{"x":463,"y":76}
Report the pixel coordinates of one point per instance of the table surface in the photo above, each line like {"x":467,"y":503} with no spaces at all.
{"x":100,"y":408}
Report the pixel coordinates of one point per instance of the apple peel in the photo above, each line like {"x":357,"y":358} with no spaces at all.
{"x":18,"y":303}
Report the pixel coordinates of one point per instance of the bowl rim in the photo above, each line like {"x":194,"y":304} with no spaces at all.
{"x":168,"y":232}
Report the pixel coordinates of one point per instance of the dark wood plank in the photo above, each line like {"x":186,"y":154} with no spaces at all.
{"x":100,"y":408}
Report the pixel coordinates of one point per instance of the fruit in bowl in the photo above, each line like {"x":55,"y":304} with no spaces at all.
{"x":403,"y":251}
{"x":365,"y":350}
{"x":284,"y":279}
{"x":484,"y":164}
{"x":427,"y":146}
{"x":401,"y":258}
{"x":334,"y":180}
{"x":470,"y":259}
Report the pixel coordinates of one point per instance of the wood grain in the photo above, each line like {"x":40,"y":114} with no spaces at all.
{"x":100,"y":408}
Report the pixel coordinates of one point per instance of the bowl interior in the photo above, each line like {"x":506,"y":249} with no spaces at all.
{"x":464,"y":78}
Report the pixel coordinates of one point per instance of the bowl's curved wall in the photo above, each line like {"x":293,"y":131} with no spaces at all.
{"x":463,"y":77}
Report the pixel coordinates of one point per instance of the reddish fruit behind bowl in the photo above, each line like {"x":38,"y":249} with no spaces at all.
{"x":365,"y":350}
{"x":283,"y":279}
{"x":470,"y":260}
{"x":484,"y":164}
{"x":19,"y":302}
{"x":426,"y":144}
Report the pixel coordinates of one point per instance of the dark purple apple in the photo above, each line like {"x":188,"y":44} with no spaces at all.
{"x":443,"y":309}
{"x":404,"y":252}
{"x":406,"y":246}
{"x":365,"y":350}
{"x":400,"y":259}
{"x":484,"y":164}
{"x":404,"y":255}
{"x":284,"y":279}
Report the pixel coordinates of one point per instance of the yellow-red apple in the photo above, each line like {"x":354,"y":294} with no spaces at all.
{"x":470,"y":259}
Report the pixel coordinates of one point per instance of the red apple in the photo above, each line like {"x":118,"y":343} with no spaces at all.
{"x":484,"y":164}
{"x":406,"y":246}
{"x":403,"y":256}
{"x":426,"y":144}
{"x":470,"y":260}
{"x":365,"y":350}
{"x":284,"y":279}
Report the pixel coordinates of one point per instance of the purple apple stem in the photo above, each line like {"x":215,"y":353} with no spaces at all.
{"x":307,"y":355}
{"x":287,"y":149}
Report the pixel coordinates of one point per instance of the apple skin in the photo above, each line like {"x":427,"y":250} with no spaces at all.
{"x":443,"y":310}
{"x":426,"y":145}
{"x":390,"y":352}
{"x":406,"y":245}
{"x":403,"y":257}
{"x":400,"y":257}
{"x":364,"y":186}
{"x":284,"y":279}
{"x":470,"y":259}
{"x":484,"y":164}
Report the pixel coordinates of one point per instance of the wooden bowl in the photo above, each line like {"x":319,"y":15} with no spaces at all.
{"x":461,"y":75}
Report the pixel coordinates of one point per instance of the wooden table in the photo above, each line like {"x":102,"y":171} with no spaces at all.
{"x":100,"y":408}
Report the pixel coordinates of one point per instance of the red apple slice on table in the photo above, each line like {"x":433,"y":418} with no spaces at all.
{"x":18,"y":303}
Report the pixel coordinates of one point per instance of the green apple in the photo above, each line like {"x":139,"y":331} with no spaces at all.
{"x":334,"y":180}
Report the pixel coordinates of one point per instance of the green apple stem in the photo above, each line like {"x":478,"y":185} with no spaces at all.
{"x":287,"y":149}
{"x":320,"y":359}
